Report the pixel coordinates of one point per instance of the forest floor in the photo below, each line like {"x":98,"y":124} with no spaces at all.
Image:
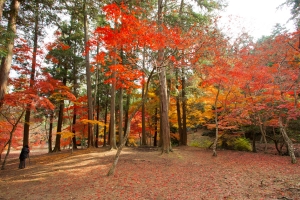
{"x":144,"y":173}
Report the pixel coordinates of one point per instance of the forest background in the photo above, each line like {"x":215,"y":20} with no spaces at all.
{"x":143,"y":73}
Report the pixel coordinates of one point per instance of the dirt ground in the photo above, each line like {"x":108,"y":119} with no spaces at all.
{"x":143,"y":173}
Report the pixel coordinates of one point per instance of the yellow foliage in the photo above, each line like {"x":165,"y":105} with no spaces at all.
{"x":93,"y":122}
{"x":66,"y":134}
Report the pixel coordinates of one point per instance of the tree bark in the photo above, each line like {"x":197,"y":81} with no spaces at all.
{"x":288,"y":141}
{"x":216,"y":122}
{"x":263,"y":133}
{"x":88,"y":77}
{"x":10,"y":139}
{"x":117,"y":156}
{"x":105,"y":120}
{"x":156,"y":128}
{"x":32,"y":76}
{"x":50,"y":133}
{"x":184,"y":129}
{"x":164,"y":126}
{"x":6,"y":61}
{"x":178,"y":109}
{"x":121,"y":117}
{"x":112,"y":113}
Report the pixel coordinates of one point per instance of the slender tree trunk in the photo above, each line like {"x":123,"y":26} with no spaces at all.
{"x":50,"y":133}
{"x":165,"y":127}
{"x":178,"y":109}
{"x":116,"y":159}
{"x":121,"y":117}
{"x":32,"y":76}
{"x":105,"y":121}
{"x":112,"y":113}
{"x":127,"y":115}
{"x":156,"y":128}
{"x":184,"y":129}
{"x":6,"y":61}
{"x":88,"y":78}
{"x":10,"y":139}
{"x":59,"y":126}
{"x":217,"y":123}
{"x":263,"y":133}
{"x":253,"y":142}
{"x":288,"y":141}
{"x":144,"y":139}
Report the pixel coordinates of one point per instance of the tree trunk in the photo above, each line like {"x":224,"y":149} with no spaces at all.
{"x":10,"y":139}
{"x":263,"y":133}
{"x":253,"y":142}
{"x":59,"y":126}
{"x":121,"y":117}
{"x":156,"y":128}
{"x":112,"y":124}
{"x":32,"y":76}
{"x":217,"y":123}
{"x":184,"y":129}
{"x":127,"y":115}
{"x":164,"y":126}
{"x":178,"y":109}
{"x":105,"y":121}
{"x":88,"y":77}
{"x":288,"y":141}
{"x":6,"y":61}
{"x":50,"y":133}
{"x":116,"y":159}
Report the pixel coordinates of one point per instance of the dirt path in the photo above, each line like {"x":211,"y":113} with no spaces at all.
{"x":142,"y":173}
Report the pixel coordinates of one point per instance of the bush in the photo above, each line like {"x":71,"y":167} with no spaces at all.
{"x":202,"y":144}
{"x":195,"y":143}
{"x":242,"y":144}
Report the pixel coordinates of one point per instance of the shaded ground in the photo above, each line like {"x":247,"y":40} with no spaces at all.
{"x":142,"y":173}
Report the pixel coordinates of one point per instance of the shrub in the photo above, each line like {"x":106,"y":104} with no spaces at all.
{"x":195,"y":143}
{"x":201,"y":144}
{"x":242,"y":144}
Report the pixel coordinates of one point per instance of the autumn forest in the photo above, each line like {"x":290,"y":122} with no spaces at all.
{"x":89,"y":74}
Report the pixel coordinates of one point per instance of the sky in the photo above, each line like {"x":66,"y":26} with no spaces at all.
{"x":258,"y":17}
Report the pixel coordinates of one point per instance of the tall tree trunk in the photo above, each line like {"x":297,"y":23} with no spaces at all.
{"x":263,"y":133}
{"x":178,"y":109}
{"x":155,"y":128}
{"x":50,"y":133}
{"x":113,"y":167}
{"x":88,"y":77}
{"x":60,"y":119}
{"x":121,"y":117}
{"x":59,"y":126}
{"x":165,"y":127}
{"x":105,"y":120}
{"x":32,"y":76}
{"x":217,"y":123}
{"x":112,"y":124}
{"x":288,"y":141}
{"x":10,"y":139}
{"x":144,"y":138}
{"x":97,"y":103}
{"x":184,"y":129}
{"x":6,"y":61}
{"x":127,"y":115}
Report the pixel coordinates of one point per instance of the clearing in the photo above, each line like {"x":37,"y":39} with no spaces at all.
{"x":142,"y":173}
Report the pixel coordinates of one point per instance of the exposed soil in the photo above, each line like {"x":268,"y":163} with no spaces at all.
{"x":143,"y":173}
